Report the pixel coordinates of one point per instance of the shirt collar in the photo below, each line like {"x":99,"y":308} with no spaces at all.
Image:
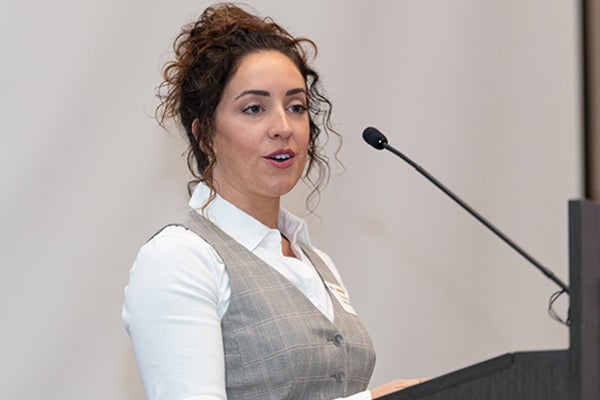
{"x":244,"y":228}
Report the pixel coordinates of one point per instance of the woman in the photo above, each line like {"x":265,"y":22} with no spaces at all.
{"x":235,"y":302}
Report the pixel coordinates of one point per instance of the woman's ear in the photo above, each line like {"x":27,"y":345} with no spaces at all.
{"x":196,"y":128}
{"x":204,"y":141}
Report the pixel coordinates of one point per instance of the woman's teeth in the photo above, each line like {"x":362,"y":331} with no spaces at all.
{"x":280,"y":157}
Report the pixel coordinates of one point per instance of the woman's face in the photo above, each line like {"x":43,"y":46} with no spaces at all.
{"x":262,"y":130}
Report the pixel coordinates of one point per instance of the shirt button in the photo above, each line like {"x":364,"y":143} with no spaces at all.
{"x":340,"y":376}
{"x":337,"y":339}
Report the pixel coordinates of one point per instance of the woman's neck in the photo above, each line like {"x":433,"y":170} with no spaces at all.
{"x":263,"y":209}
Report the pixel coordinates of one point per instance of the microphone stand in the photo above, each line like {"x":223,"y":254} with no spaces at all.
{"x":379,"y":141}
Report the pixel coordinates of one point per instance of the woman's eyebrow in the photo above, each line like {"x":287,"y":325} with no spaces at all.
{"x":264,"y":93}
{"x":295,"y":91}
{"x":254,"y":92}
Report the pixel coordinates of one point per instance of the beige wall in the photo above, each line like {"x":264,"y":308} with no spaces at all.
{"x":593,"y":82}
{"x":484,"y":95}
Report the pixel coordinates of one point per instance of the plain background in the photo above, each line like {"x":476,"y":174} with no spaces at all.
{"x":483,"y":94}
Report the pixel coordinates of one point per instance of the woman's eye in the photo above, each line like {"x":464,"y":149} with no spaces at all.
{"x":298,"y":108}
{"x":253,"y":109}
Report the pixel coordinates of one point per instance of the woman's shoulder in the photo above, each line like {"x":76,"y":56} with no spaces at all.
{"x":175,"y":249}
{"x":175,"y":241}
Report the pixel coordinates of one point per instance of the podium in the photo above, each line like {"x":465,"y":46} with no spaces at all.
{"x":571,"y":374}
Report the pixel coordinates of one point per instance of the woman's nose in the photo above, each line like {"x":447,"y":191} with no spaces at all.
{"x":281,"y":127}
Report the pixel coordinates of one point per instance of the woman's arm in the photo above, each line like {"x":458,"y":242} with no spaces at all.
{"x":171,"y":312}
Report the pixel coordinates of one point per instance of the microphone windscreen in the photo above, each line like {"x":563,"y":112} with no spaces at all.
{"x":374,"y":138}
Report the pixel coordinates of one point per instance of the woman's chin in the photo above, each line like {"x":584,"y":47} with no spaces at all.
{"x":282,"y":188}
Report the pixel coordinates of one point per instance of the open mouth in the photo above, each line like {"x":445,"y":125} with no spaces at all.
{"x":281,"y":157}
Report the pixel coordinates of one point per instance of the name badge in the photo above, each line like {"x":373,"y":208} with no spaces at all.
{"x":342,"y":297}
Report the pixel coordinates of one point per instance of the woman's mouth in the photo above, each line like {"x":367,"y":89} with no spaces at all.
{"x":281,"y":158}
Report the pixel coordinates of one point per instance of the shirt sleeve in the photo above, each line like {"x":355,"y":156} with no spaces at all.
{"x":366,"y":395}
{"x":171,"y":312}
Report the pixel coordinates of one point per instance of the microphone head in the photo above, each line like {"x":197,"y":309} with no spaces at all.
{"x":374,"y":138}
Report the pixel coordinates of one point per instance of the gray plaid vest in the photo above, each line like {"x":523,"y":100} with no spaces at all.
{"x":277,"y":344}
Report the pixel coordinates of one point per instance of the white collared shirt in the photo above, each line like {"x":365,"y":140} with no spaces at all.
{"x":179,"y":290}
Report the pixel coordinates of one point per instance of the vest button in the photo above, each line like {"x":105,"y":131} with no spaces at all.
{"x":340,"y":376}
{"x":337,"y":339}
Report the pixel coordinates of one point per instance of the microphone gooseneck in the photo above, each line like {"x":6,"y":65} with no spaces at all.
{"x":378,"y":140}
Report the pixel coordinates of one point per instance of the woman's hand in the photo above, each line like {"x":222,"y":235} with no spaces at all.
{"x":394,"y":386}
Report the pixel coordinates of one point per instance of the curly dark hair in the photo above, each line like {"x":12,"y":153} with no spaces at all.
{"x":207,"y":54}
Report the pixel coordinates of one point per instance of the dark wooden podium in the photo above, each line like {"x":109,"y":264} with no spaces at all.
{"x":571,"y":374}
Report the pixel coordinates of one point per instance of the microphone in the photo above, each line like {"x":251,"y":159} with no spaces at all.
{"x":378,"y":140}
{"x":374,"y":138}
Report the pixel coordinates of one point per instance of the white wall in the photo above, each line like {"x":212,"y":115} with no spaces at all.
{"x":484,"y":95}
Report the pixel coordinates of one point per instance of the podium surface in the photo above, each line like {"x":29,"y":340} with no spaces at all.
{"x":536,"y":375}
